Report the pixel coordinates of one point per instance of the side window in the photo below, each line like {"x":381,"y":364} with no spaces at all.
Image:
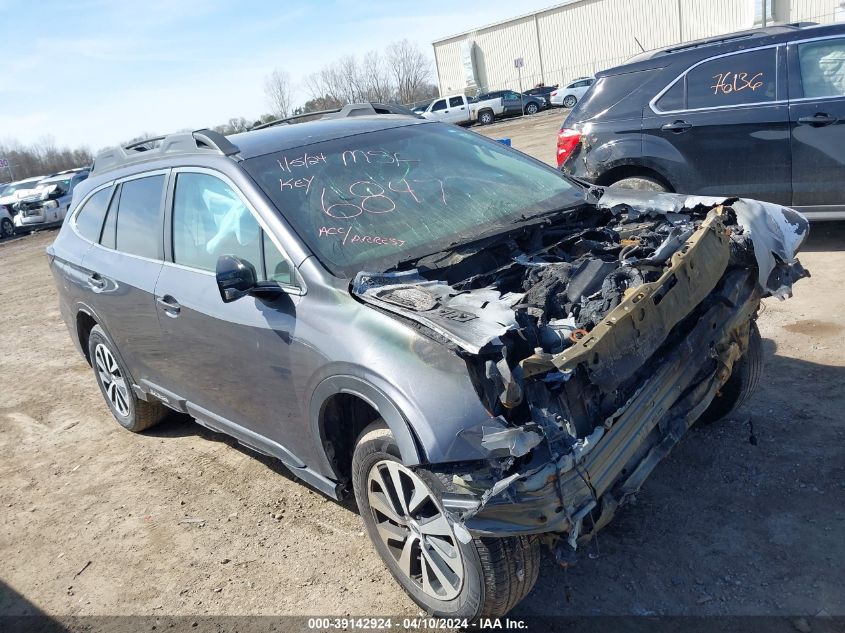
{"x":439,"y":105}
{"x":139,"y":217}
{"x":89,"y":219}
{"x":733,"y":80}
{"x":277,"y":267}
{"x":210,"y":220}
{"x":822,"y":68}
{"x":674,"y":98}
{"x":454,"y":102}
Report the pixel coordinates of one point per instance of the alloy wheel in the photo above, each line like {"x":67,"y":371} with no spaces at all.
{"x":114,"y":384}
{"x":414,"y":529}
{"x":569,"y":102}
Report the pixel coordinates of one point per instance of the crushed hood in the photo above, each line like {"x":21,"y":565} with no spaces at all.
{"x":597,"y":276}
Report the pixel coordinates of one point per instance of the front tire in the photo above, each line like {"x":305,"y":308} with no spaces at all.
{"x":416,"y":539}
{"x":7,"y":229}
{"x":531,"y":108}
{"x":131,"y":412}
{"x":569,"y":101}
{"x":742,"y":382}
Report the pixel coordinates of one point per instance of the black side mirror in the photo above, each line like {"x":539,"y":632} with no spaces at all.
{"x":235,"y":277}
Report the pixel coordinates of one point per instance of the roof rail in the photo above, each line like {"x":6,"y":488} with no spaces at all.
{"x":349,"y":110}
{"x":197,"y":142}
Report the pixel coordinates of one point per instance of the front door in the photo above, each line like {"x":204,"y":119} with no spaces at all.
{"x":230,"y":359}
{"x":722,"y":129}
{"x":817,"y":118}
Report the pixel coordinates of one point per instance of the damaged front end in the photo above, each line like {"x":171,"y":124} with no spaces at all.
{"x":594,"y":340}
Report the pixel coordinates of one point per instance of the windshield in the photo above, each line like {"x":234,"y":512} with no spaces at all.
{"x":19,"y":186}
{"x":368,"y":201}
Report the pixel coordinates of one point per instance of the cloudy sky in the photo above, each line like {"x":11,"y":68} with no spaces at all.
{"x":98,"y":72}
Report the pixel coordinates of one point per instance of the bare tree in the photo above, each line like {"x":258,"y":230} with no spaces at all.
{"x":278,"y":91}
{"x":410,"y":68}
{"x":40,"y":159}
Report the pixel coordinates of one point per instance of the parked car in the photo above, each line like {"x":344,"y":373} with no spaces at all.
{"x":569,"y":95}
{"x":542,"y":91}
{"x":463,"y":111}
{"x":477,"y":347}
{"x":514,"y":102}
{"x":47,"y":204}
{"x":420,"y":107}
{"x":14,"y":191}
{"x":758,"y":114}
{"x":7,"y":226}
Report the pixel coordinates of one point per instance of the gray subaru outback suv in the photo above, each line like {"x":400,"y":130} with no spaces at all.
{"x":488,"y":354}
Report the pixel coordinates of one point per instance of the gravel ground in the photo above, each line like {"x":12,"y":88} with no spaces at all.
{"x":180,"y":521}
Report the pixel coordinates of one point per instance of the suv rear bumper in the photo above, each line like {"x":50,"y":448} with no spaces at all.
{"x":555,"y":492}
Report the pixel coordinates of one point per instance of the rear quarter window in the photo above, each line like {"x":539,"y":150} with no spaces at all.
{"x":744,"y":78}
{"x":89,"y":219}
{"x":610,"y":96}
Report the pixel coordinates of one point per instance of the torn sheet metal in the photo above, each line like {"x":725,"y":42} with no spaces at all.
{"x":470,"y":319}
{"x":776,"y":232}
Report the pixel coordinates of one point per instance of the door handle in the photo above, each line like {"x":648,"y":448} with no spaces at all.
{"x":676,"y":126}
{"x":819,"y":119}
{"x":170,"y":306}
{"x":96,"y":282}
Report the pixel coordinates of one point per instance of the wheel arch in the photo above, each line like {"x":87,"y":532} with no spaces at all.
{"x":341,"y":407}
{"x":628,"y":170}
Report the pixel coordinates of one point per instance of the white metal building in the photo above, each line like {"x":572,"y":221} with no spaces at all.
{"x":580,"y":37}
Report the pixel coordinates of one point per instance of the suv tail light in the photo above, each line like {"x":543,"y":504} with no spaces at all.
{"x":554,"y":93}
{"x":567,"y":140}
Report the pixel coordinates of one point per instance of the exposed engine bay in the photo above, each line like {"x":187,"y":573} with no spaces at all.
{"x":568,"y":324}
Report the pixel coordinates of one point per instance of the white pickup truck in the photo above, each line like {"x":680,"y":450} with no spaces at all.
{"x":458,"y":109}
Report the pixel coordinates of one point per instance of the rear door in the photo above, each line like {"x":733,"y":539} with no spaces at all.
{"x":227,"y":360}
{"x":817,"y":118}
{"x":122,"y":270}
{"x":722,"y":127}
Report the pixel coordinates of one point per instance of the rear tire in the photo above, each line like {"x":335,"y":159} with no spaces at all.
{"x":486,"y":117}
{"x":131,"y":412}
{"x":485,"y":577}
{"x":569,"y":101}
{"x":640,"y":183}
{"x":743,"y":381}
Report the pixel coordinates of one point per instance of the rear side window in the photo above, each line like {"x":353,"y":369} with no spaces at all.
{"x":454,"y":102}
{"x":89,"y":219}
{"x":139,"y":217}
{"x":823,"y":68}
{"x":606,"y":93}
{"x":675,"y":98}
{"x":739,"y":79}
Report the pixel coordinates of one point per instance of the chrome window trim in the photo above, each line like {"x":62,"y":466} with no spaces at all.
{"x":299,"y":289}
{"x":653,"y":103}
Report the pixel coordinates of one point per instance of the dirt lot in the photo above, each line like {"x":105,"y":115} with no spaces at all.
{"x":96,"y":520}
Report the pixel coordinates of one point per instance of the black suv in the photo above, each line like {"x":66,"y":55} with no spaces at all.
{"x":487,"y":353}
{"x":758,"y":114}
